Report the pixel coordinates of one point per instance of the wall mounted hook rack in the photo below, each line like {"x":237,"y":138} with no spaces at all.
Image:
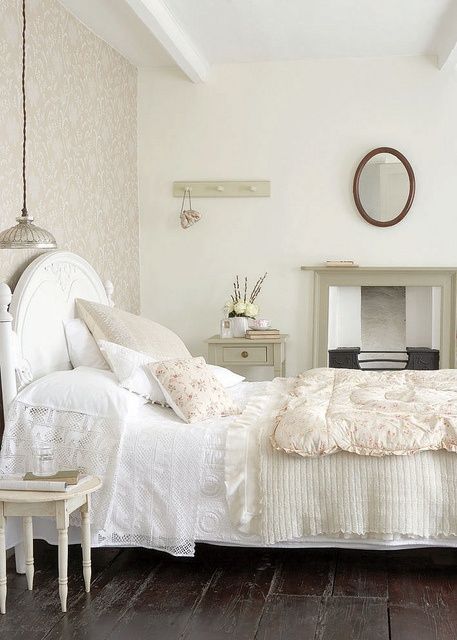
{"x":223,"y":188}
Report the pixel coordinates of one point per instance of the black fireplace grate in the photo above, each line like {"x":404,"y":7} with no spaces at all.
{"x":417,"y":358}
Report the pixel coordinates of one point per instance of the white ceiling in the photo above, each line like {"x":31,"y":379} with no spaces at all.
{"x":116,"y":23}
{"x":197,"y":33}
{"x":256,"y":30}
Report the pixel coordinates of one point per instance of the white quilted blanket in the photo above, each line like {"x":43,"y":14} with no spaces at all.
{"x":369,"y":413}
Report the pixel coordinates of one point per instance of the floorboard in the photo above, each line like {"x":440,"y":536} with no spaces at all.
{"x":232,"y":605}
{"x":345,"y":618}
{"x":239,"y":594}
{"x":430,"y":623}
{"x":306,"y":572}
{"x":421,"y":578}
{"x":361,"y":574}
{"x":164,"y":607}
{"x":286,"y":617}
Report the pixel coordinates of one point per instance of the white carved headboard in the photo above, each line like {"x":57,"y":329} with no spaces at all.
{"x":44,"y":299}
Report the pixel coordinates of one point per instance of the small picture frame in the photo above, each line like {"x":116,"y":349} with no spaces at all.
{"x":226,"y":328}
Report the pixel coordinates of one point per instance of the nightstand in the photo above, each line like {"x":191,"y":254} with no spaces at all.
{"x":55,"y":504}
{"x":244,"y":352}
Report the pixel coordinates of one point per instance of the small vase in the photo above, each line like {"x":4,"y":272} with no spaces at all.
{"x":239,"y":326}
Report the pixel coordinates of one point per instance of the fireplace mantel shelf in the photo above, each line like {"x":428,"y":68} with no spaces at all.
{"x":356,"y":269}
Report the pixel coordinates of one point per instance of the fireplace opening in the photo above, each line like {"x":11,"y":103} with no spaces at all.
{"x":384,"y":327}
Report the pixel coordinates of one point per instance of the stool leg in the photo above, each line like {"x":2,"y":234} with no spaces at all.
{"x":28,"y":541}
{"x":19,"y":557}
{"x":2,"y":562}
{"x":85,"y":544}
{"x":63,"y":567}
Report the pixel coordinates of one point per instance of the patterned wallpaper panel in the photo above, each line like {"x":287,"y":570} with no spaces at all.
{"x":82,"y":173}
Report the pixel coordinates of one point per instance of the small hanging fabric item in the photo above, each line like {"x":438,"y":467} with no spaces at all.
{"x":188,"y":216}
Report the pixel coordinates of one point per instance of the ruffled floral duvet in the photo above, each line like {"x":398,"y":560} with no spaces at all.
{"x":369,"y":413}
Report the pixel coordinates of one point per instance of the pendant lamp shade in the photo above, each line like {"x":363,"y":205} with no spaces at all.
{"x":25,"y":234}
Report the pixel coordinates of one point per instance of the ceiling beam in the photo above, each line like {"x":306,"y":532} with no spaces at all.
{"x":446,"y":47}
{"x":447,"y":58}
{"x":161,"y":23}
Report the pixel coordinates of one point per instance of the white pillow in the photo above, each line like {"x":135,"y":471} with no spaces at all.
{"x":128,"y":366}
{"x":93,"y":392}
{"x":82,"y":347}
{"x":226,"y":377}
{"x":132,"y":373}
{"x":131,"y":331}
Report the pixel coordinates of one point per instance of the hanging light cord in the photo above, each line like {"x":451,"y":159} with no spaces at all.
{"x":24,"y":113}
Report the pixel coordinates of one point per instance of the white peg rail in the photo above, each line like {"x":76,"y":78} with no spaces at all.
{"x":223,"y":189}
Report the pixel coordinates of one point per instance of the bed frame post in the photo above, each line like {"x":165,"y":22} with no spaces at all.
{"x":7,"y":366}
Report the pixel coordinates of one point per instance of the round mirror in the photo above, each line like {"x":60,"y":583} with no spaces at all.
{"x":384,"y":187}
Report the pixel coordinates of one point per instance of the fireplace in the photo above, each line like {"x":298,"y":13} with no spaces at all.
{"x":385,"y":310}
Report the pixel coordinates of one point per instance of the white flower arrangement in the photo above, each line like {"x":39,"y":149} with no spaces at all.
{"x":244,"y":305}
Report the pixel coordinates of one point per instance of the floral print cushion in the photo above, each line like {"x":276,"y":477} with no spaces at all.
{"x":191,"y":389}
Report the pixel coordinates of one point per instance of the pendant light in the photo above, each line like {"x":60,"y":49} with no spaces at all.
{"x":25,"y":234}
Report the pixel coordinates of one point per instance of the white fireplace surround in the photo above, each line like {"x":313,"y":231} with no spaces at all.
{"x":439,"y":295}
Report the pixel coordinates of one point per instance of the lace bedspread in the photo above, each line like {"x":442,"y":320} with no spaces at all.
{"x":150,"y":475}
{"x":162,"y":479}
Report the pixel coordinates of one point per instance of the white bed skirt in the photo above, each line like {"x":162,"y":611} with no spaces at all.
{"x":44,"y":529}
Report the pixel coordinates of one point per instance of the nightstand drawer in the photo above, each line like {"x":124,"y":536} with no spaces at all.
{"x":236,"y":353}
{"x":245,"y":355}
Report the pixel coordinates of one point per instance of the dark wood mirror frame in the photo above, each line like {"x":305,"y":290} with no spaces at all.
{"x":412,"y":187}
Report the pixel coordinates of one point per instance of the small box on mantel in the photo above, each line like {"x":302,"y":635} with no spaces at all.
{"x":340,"y":263}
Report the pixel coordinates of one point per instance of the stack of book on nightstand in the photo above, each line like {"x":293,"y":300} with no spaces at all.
{"x":261,"y":334}
{"x":60,"y":481}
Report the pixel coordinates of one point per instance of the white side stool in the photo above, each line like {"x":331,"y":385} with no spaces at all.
{"x":55,"y":504}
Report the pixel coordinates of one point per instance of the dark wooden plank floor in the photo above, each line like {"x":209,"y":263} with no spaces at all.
{"x":239,"y":594}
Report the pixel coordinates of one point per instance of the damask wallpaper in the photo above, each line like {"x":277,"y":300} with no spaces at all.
{"x":82,"y":171}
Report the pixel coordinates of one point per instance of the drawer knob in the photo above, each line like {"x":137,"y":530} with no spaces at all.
{"x":244,"y":354}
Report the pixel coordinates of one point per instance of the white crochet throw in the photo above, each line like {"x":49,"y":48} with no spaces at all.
{"x":287,"y":497}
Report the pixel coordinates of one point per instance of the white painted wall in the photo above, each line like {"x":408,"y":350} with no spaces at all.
{"x":304,"y":125}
